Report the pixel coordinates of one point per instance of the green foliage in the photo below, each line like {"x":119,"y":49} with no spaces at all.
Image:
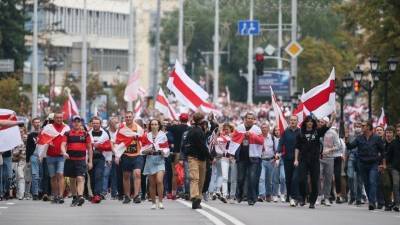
{"x":377,"y":28}
{"x":12,"y":42}
{"x":11,"y":98}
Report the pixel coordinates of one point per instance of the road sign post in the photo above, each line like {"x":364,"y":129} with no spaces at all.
{"x":248,"y":27}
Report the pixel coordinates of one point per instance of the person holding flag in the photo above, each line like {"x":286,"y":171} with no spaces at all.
{"x":102,"y":155}
{"x":248,"y":141}
{"x":127,"y":152}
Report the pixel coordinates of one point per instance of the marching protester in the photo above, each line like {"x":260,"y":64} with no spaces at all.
{"x":370,"y":152}
{"x":307,"y":155}
{"x":55,"y":157}
{"x":249,"y":145}
{"x":112,"y":173}
{"x":177,"y":131}
{"x":74,"y":148}
{"x":33,"y":158}
{"x":102,"y":156}
{"x":197,"y":154}
{"x":156,"y":148}
{"x":267,"y":164}
{"x":393,"y":162}
{"x":286,"y":148}
{"x":19,"y":164}
{"x":278,"y":172}
{"x":127,"y":153}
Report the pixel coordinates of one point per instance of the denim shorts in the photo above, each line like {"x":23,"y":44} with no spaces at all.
{"x":55,"y":165}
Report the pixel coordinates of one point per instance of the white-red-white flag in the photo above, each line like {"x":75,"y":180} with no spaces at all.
{"x":162,"y":105}
{"x":138,"y":108}
{"x":280,"y":119}
{"x":10,"y":137}
{"x":70,"y":108}
{"x":208,"y":107}
{"x":132,"y":89}
{"x":382,"y":121}
{"x":47,"y":135}
{"x":255,"y":139}
{"x":185,"y":89}
{"x":321,"y":100}
{"x":301,"y":112}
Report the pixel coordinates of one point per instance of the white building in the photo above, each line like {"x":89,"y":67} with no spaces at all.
{"x":107,"y":38}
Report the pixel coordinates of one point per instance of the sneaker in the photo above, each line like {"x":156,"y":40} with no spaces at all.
{"x":60,"y":200}
{"x":260,"y":199}
{"x":251,"y":203}
{"x":231,"y":201}
{"x":380,"y":206}
{"x":169,"y":196}
{"x":351,"y":201}
{"x":292,"y":202}
{"x":81,"y":201}
{"x":74,"y":201}
{"x":214,"y":197}
{"x":153,"y":206}
{"x":268,"y":198}
{"x":339,"y":200}
{"x":160,"y":205}
{"x":45,"y":198}
{"x":205,"y":196}
{"x":396,"y":208}
{"x":54,"y":200}
{"x":126,"y":200}
{"x":35,"y":198}
{"x":358,"y":203}
{"x":196,"y":203}
{"x":223,"y":199}
{"x":283,"y":199}
{"x":318,"y":202}
{"x":275,"y":199}
{"x":371,"y":207}
{"x":312,"y":206}
{"x":96,"y":199}
{"x":137,"y":199}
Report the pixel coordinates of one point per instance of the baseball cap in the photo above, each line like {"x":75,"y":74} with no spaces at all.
{"x":76,"y":117}
{"x":184,"y":117}
{"x":326,"y":119}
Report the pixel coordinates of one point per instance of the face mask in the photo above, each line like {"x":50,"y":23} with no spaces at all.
{"x":357,"y":130}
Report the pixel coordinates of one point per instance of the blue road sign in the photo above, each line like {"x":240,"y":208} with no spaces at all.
{"x":248,"y":27}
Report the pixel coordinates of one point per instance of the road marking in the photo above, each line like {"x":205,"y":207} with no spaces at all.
{"x":3,"y":207}
{"x":10,"y":203}
{"x":212,"y":218}
{"x":225,"y":215}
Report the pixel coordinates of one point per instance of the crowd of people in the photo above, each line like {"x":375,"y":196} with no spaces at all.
{"x":245,"y":160}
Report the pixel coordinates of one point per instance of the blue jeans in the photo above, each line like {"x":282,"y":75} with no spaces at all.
{"x":265,"y":183}
{"x":369,"y":174}
{"x":97,"y":175}
{"x":55,"y":165}
{"x":248,"y":171}
{"x":36,"y":168}
{"x":278,"y":179}
{"x":106,"y":178}
{"x":354,"y":179}
{"x":6,"y":175}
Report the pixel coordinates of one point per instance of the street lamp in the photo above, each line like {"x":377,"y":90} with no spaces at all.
{"x":342,"y":90}
{"x":52,"y":63}
{"x":377,"y":75}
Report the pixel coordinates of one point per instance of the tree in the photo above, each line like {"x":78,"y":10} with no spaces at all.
{"x":376,"y":25}
{"x":12,"y":32}
{"x":12,"y":98}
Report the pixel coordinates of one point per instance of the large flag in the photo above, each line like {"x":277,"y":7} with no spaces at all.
{"x":10,"y":137}
{"x":185,"y":89}
{"x":207,"y":107}
{"x":280,"y":119}
{"x":70,"y":108}
{"x":132,"y":89}
{"x":47,"y":135}
{"x":321,"y":100}
{"x":163,"y":106}
{"x":382,"y":121}
{"x":124,"y":137}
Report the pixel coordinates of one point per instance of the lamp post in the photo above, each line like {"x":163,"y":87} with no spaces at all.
{"x":295,"y":99}
{"x":52,"y":63}
{"x":341,"y":91}
{"x":377,"y":75}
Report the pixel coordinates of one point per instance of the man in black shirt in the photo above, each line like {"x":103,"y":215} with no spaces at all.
{"x":307,"y":155}
{"x":393,"y":162}
{"x":32,"y":158}
{"x":197,"y":153}
{"x":177,"y":133}
{"x":370,"y":152}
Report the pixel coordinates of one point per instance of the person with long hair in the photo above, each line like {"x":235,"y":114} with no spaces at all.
{"x":278,"y":173}
{"x":155,"y":146}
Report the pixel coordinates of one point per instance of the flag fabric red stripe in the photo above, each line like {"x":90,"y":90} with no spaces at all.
{"x":186,"y":91}
{"x":316,"y":101}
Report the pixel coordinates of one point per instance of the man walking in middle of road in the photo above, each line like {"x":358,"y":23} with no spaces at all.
{"x":74,"y":147}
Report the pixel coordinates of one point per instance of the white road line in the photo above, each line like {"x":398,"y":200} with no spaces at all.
{"x":225,"y":215}
{"x":212,"y":218}
{"x":3,"y":207}
{"x":10,"y":203}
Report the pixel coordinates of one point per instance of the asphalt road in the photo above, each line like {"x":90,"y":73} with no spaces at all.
{"x":111,"y":212}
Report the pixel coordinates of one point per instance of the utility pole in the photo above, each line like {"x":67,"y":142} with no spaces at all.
{"x":293,"y":61}
{"x":157,"y":50}
{"x":35,"y":60}
{"x":216,"y":53}
{"x":250,"y":62}
{"x":280,"y":35}
{"x":180,"y":32}
{"x":130,"y":48}
{"x":84,"y":61}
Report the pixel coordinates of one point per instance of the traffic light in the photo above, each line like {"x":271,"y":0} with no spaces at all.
{"x":259,"y":64}
{"x":356,"y":87}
